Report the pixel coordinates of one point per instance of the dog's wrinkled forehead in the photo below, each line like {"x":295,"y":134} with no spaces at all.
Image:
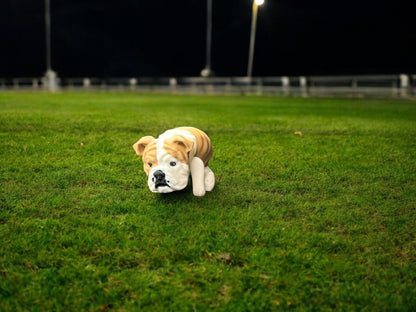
{"x":157,"y":153}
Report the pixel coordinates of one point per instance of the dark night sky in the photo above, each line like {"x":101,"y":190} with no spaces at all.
{"x":103,"y":38}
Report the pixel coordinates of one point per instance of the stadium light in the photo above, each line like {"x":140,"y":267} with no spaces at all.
{"x":256,"y":4}
{"x":207,"y":72}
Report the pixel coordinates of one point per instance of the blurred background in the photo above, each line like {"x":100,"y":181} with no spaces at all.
{"x":134,"y":38}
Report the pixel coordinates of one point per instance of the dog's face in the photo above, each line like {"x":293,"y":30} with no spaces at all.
{"x":165,"y":161}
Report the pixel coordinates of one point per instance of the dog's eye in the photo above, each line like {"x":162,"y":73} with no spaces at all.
{"x":150,"y":164}
{"x":173,"y":164}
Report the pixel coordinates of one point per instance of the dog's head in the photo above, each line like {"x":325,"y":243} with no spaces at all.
{"x":165,"y":161}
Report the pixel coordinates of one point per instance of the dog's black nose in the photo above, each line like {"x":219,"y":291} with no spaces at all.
{"x":159,"y":175}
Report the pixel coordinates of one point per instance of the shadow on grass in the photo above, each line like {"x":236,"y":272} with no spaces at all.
{"x":183,"y":197}
{"x":177,"y":196}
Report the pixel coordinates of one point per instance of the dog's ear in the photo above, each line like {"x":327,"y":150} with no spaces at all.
{"x":140,"y":145}
{"x":183,"y":142}
{"x":179,"y":147}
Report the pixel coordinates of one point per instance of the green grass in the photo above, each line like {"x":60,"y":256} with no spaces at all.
{"x":319,"y":222}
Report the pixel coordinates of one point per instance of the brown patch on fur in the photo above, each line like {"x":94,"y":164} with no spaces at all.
{"x":146,"y":147}
{"x":203,"y":144}
{"x":179,"y":147}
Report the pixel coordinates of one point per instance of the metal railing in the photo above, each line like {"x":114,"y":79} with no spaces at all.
{"x":400,"y":85}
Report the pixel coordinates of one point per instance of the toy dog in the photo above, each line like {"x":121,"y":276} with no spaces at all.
{"x":176,"y":153}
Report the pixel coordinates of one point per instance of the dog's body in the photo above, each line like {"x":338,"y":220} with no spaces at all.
{"x":176,"y":153}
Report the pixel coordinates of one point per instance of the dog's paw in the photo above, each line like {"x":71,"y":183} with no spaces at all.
{"x":199,"y":191}
{"x":209,"y":179}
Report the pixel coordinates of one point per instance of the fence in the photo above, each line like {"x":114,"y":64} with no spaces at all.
{"x":402,"y":85}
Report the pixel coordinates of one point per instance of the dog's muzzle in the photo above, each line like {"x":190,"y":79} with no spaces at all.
{"x":159,"y":179}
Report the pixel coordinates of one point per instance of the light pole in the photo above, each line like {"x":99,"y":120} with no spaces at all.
{"x":51,"y":79}
{"x":256,"y":4}
{"x":48,"y":34}
{"x":206,"y":72}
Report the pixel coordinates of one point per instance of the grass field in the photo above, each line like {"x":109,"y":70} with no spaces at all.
{"x":320,"y":222}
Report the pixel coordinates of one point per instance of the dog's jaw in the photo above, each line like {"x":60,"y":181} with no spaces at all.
{"x":162,"y":189}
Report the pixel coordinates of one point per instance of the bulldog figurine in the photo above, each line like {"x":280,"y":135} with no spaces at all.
{"x":176,"y":153}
